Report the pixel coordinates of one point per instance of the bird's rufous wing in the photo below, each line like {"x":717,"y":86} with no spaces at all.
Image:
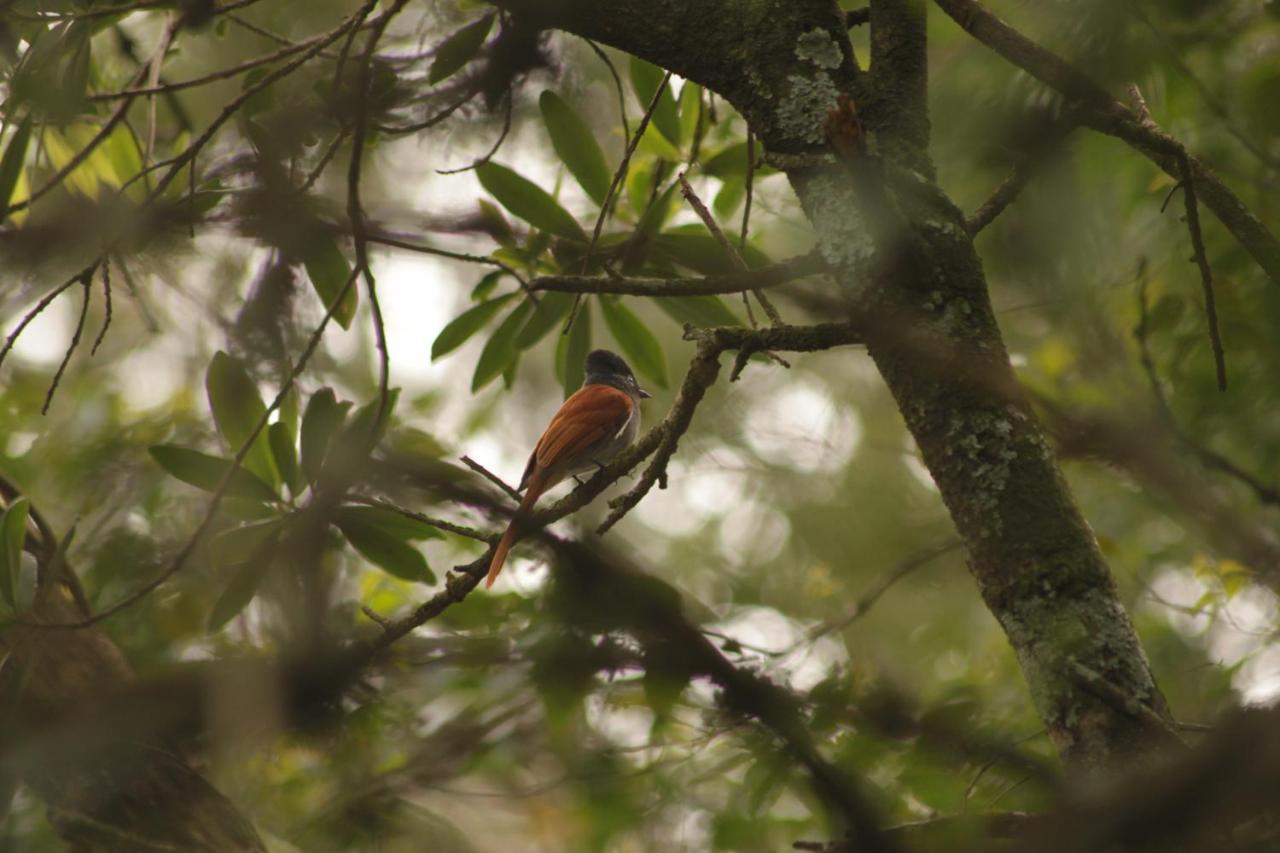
{"x":594,"y":414}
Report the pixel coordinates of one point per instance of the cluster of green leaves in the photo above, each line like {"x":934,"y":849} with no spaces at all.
{"x":549,"y":239}
{"x":292,"y":458}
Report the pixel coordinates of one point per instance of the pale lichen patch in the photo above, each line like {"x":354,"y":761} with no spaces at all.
{"x":817,"y":46}
{"x":802,"y":114}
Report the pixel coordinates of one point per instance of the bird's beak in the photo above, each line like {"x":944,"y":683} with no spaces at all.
{"x":644,"y":395}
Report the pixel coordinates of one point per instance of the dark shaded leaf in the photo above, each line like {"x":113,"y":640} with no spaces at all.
{"x":206,"y":472}
{"x":15,"y":155}
{"x":698,"y":310}
{"x":572,"y":349}
{"x":285,"y":454}
{"x":645,"y":80}
{"x":329,"y":272}
{"x":388,"y":521}
{"x":459,"y":49}
{"x":237,"y":409}
{"x":245,"y":581}
{"x":13,"y":534}
{"x":389,"y":553}
{"x":323,"y":417}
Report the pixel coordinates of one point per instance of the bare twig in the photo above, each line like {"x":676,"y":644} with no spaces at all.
{"x":1206,"y":275}
{"x":409,"y":246}
{"x":438,"y":523}
{"x":735,"y":257}
{"x":488,"y":155}
{"x":1105,"y":689}
{"x":491,"y":477}
{"x":39,"y":307}
{"x":106,"y":317}
{"x":770,"y":276}
{"x":85,"y":281}
{"x":617,"y":83}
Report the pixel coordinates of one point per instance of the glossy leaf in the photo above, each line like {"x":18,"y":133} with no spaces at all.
{"x":323,"y":417}
{"x":576,"y":146}
{"x":698,"y":310}
{"x":329,"y":272}
{"x":638,"y":343}
{"x":390,"y":553}
{"x":459,"y":49}
{"x":501,"y":351}
{"x":461,"y":328}
{"x":13,"y":534}
{"x":237,"y":409}
{"x":206,"y":472}
{"x":528,"y":201}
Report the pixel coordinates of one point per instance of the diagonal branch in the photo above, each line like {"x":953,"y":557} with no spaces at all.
{"x":757,"y":279}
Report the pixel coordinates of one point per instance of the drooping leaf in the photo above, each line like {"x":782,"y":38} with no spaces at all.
{"x":466,"y":324}
{"x":285,"y":454}
{"x":552,"y":308}
{"x":693,"y":247}
{"x":358,"y":431}
{"x":232,"y":547}
{"x":248,"y":575}
{"x":329,"y":272}
{"x":389,"y":522}
{"x":638,"y":344}
{"x":501,"y":351}
{"x":572,"y":349}
{"x":690,"y":110}
{"x":486,"y":284}
{"x":321,"y":420}
{"x":459,"y":49}
{"x":237,"y":409}
{"x":15,"y":155}
{"x":576,"y":145}
{"x":528,"y":201}
{"x":206,"y":472}
{"x":390,"y":553}
{"x":13,"y":534}
{"x":645,"y":80}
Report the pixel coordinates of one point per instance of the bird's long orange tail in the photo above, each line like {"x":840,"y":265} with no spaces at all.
{"x":509,"y":538}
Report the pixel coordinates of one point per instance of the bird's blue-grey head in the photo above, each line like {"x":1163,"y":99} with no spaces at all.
{"x":608,"y":368}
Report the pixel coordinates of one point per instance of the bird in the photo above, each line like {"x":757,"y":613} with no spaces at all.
{"x":596,"y":423}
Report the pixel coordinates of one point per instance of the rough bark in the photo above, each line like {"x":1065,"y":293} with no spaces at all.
{"x":908,"y":271}
{"x":111,"y":784}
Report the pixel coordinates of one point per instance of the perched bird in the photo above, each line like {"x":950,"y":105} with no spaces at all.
{"x":596,"y":423}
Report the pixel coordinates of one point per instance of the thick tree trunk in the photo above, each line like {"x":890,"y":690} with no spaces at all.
{"x":114,"y":786}
{"x":908,"y":270}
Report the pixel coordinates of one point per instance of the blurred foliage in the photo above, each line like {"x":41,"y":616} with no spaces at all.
{"x":499,"y":724}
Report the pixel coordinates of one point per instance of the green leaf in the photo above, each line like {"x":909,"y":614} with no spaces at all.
{"x":237,"y":409}
{"x":466,"y":324}
{"x":390,"y":522}
{"x":572,"y":349}
{"x":206,"y":472}
{"x":244,"y":583}
{"x":528,"y":201}
{"x":321,"y":420}
{"x":638,"y":343}
{"x":500,"y":352}
{"x":645,"y":80}
{"x":552,"y":308}
{"x":15,"y":156}
{"x":693,"y":247}
{"x":357,"y":433}
{"x":731,"y":162}
{"x":388,"y":552}
{"x":232,"y":547}
{"x":459,"y":49}
{"x":13,"y":534}
{"x":690,"y":110}
{"x":576,"y":145}
{"x":486,"y":285}
{"x":329,"y":272}
{"x":698,"y":310}
{"x":285,"y":454}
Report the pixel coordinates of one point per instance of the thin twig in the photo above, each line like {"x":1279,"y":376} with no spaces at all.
{"x":617,"y":83}
{"x":438,"y":523}
{"x":1206,"y":275}
{"x":106,"y":317}
{"x":491,"y":477}
{"x":739,"y":282}
{"x":318,"y":169}
{"x":86,"y":282}
{"x":408,"y":246}
{"x":488,"y":155}
{"x":735,"y":257}
{"x":618,"y":176}
{"x":40,"y":306}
